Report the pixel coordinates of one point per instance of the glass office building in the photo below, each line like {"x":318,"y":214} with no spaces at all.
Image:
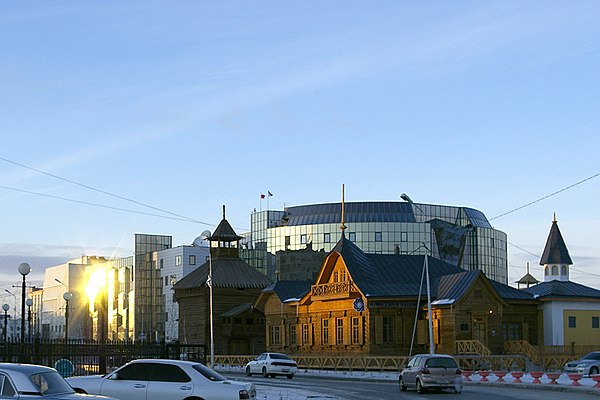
{"x":461,"y":236}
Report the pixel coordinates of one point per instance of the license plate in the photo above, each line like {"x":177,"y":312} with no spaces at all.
{"x":443,"y":382}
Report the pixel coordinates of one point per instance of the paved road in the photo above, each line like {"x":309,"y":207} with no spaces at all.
{"x":306,"y":387}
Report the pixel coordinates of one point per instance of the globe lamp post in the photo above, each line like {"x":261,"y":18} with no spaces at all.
{"x":68,"y":296}
{"x":5,"y":307}
{"x":24,"y":269}
{"x":29,"y":303}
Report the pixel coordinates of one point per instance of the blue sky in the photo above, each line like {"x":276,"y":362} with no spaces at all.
{"x":189,"y":105}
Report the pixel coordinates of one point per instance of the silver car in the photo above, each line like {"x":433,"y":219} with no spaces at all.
{"x":28,"y":381}
{"x":431,"y":371}
{"x":588,"y":365}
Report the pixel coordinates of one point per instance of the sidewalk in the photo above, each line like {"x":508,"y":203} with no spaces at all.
{"x":563,"y":383}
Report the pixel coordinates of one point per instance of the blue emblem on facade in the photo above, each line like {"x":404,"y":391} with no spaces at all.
{"x":359,"y":304}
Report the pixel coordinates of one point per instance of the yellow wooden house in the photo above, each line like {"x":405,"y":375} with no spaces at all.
{"x":376,"y":304}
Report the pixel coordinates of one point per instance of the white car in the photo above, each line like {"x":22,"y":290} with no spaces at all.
{"x":28,"y":381}
{"x":272,"y":364}
{"x":155,"y":379}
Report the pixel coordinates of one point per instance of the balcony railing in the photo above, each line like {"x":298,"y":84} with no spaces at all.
{"x":334,"y":290}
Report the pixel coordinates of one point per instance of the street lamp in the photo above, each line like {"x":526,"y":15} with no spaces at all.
{"x":407,"y":198}
{"x":5,"y":307}
{"x":14,"y":310}
{"x":29,"y":303}
{"x":68,"y":296}
{"x":24,"y":269}
{"x":206,"y":236}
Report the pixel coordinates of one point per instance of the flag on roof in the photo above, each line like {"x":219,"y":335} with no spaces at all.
{"x":270,"y":194}
{"x":262,"y":195}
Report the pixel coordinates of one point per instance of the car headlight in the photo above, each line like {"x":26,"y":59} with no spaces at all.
{"x":244,"y":394}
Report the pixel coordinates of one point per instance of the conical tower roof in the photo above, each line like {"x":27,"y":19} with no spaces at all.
{"x":555,"y":251}
{"x":224,"y":232}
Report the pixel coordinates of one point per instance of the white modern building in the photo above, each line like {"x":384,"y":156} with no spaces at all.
{"x":59,"y":281}
{"x":174,"y":264}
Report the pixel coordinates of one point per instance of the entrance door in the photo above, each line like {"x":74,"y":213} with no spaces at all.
{"x":480,"y":329}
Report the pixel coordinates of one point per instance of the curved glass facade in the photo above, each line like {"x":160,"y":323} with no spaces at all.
{"x":280,"y":240}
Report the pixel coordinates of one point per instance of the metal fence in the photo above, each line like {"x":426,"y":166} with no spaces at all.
{"x":93,"y":357}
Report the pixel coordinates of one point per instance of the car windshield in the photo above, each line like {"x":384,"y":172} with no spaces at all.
{"x":592,"y":356}
{"x":280,"y":357}
{"x":441,"y":362}
{"x":209,"y":373}
{"x":51,"y":383}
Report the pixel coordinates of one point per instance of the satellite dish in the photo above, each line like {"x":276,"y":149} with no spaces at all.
{"x":201,"y":241}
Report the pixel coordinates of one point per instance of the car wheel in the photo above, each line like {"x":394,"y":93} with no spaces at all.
{"x":402,"y":385}
{"x":264,"y":372}
{"x":420,"y":388}
{"x":290,"y":376}
{"x":594,"y":371}
{"x":248,"y":371}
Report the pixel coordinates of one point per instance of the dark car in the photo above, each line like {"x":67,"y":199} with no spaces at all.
{"x":431,"y":371}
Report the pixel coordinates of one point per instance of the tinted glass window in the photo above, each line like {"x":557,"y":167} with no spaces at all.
{"x":51,"y":383}
{"x":592,"y":356}
{"x":279,"y":357}
{"x":169,"y":373}
{"x":135,"y":372}
{"x":440,"y":362}
{"x":6,"y":388}
{"x":208,"y":373}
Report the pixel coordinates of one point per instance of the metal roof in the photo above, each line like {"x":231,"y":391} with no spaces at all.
{"x":237,"y":310}
{"x":372,"y":211}
{"x":287,"y":290}
{"x":397,"y":275}
{"x":555,"y":251}
{"x":565,"y":289}
{"x":227,"y":272}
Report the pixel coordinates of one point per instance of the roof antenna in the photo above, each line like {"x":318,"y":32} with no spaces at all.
{"x":343,"y":226}
{"x":223,"y":211}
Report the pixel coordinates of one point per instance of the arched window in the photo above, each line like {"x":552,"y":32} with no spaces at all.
{"x":563,"y":270}
{"x":555,"y":270}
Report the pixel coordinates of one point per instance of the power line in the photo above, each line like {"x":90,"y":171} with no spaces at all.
{"x":103,"y":206}
{"x":545,"y":197}
{"x":179,"y":217}
{"x":539,"y":257}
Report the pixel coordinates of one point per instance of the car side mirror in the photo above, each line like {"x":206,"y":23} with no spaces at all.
{"x":114,"y":376}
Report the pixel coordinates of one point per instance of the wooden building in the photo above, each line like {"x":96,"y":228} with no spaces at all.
{"x":376,"y":304}
{"x":237,"y":327}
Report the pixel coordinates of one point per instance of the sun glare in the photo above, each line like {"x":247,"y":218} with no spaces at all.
{"x":96,"y":282}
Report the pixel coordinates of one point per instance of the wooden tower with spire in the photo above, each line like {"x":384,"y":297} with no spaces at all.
{"x":556,"y":258}
{"x":224,"y":241}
